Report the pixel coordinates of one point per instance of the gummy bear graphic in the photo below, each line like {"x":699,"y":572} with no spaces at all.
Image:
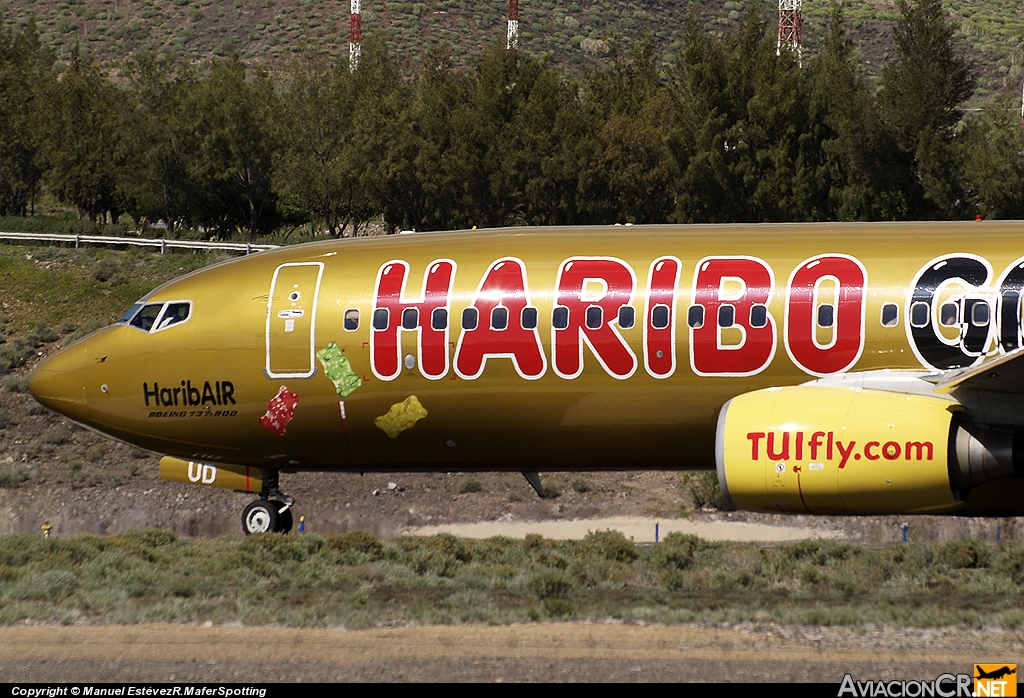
{"x":339,"y":370}
{"x":280,"y":411}
{"x":401,"y":416}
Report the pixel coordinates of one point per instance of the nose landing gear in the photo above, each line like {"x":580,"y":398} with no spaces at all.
{"x":272,"y":512}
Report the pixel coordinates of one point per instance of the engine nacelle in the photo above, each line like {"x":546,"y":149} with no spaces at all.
{"x":843,"y":451}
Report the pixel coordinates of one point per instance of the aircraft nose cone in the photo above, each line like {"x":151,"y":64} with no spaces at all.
{"x":59,"y":382}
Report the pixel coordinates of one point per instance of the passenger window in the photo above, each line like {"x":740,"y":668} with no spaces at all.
{"x":758,"y":315}
{"x":594,"y":317}
{"x":351,"y":320}
{"x":726,"y":315}
{"x":410,"y":318}
{"x":659,"y":317}
{"x":890,"y":315}
{"x":979,"y":314}
{"x":381,"y":319}
{"x":826,"y":315}
{"x":439,"y":318}
{"x":145,"y":318}
{"x":470,"y":318}
{"x":528,"y":318}
{"x":627,"y":317}
{"x":695,"y":316}
{"x":499,"y":317}
{"x":919,"y":313}
{"x":560,"y":317}
{"x":174,"y":314}
{"x":949,"y":314}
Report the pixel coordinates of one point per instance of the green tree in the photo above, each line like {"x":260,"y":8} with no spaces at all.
{"x":83,"y":151}
{"x":862,"y":173}
{"x":921,"y":99}
{"x":25,"y":77}
{"x":994,"y":166}
{"x":320,"y":170}
{"x":235,"y":147}
{"x":163,"y":143}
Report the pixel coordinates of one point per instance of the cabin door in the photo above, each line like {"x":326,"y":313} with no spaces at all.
{"x":291,"y":320}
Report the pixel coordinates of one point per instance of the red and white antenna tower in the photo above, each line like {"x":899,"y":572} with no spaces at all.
{"x":791,"y":20}
{"x":513,"y":25}
{"x":355,"y":37}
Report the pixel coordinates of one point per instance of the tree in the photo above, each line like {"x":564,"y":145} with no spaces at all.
{"x":994,"y":166}
{"x":320,"y":170}
{"x":235,"y":147}
{"x":863,"y":173}
{"x":83,"y":151}
{"x":25,"y":76}
{"x":162,"y":143}
{"x":921,"y":97}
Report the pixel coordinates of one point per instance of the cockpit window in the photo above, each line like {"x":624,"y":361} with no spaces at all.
{"x":127,"y":317}
{"x":145,"y":318}
{"x":173,"y":314}
{"x":153,"y":317}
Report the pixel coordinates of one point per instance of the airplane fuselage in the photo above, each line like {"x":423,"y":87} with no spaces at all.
{"x":542,"y":349}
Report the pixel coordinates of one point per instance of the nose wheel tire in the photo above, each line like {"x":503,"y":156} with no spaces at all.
{"x":267,"y":516}
{"x":261,"y":516}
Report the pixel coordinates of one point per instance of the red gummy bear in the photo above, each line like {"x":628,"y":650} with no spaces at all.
{"x":280,"y":411}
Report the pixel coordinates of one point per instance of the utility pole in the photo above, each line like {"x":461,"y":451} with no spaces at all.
{"x":355,"y":36}
{"x":513,"y":26}
{"x":791,"y":20}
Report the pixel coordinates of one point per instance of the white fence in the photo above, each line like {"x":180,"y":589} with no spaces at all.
{"x":78,"y":240}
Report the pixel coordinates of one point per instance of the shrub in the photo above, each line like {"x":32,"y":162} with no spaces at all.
{"x":550,"y":584}
{"x":551,"y":489}
{"x":610,"y":545}
{"x":580,"y":485}
{"x":470,"y":484}
{"x":358,"y":541}
{"x":104,"y":270}
{"x":965,"y":554}
{"x":704,"y":490}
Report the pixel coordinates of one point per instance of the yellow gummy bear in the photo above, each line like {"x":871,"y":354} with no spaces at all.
{"x":401,"y":416}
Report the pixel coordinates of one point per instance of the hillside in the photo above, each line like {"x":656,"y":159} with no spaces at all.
{"x":576,"y":34}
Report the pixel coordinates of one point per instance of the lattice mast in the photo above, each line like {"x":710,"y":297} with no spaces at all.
{"x":355,"y":36}
{"x":513,"y":25}
{"x":791,"y":20}
{"x":1022,"y":109}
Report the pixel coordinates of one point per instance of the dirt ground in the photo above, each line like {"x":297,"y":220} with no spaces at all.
{"x":590,"y":652}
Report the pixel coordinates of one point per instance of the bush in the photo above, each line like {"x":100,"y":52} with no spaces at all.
{"x":358,"y":541}
{"x":580,"y":485}
{"x":965,"y":554}
{"x":677,"y":551}
{"x":551,"y":489}
{"x":550,"y":584}
{"x":104,"y":270}
{"x":470,"y":484}
{"x":610,"y":545}
{"x":704,"y":490}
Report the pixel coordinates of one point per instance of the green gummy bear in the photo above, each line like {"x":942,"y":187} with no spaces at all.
{"x":339,"y":370}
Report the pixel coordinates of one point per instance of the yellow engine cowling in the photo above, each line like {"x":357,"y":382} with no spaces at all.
{"x":842,"y":451}
{"x":241,"y":478}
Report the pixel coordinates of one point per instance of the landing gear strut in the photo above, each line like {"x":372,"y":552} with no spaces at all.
{"x":272,"y":512}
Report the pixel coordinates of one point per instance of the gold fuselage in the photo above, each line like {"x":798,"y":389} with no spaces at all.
{"x":499,"y":419}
